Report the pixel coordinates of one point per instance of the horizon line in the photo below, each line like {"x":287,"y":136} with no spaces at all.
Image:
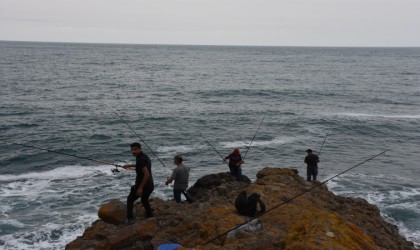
{"x":210,"y":45}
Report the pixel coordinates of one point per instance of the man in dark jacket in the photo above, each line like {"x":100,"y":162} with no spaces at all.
{"x":311,"y":161}
{"x":144,"y":182}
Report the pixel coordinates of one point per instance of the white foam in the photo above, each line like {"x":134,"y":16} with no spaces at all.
{"x":410,"y":235}
{"x":66,"y":172}
{"x":4,"y":208}
{"x":396,"y":195}
{"x":12,"y":222}
{"x":179,"y":148}
{"x":57,"y":173}
{"x":48,"y":236}
{"x":256,"y":143}
{"x":26,"y":188}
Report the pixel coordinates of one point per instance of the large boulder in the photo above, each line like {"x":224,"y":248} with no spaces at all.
{"x":113,"y":212}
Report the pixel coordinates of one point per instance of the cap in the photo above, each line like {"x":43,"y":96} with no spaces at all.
{"x":309,"y":150}
{"x":236,"y":150}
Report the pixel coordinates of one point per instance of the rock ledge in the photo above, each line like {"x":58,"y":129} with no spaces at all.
{"x":316,"y":220}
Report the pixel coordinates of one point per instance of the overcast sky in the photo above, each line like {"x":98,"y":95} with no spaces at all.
{"x":214,"y":22}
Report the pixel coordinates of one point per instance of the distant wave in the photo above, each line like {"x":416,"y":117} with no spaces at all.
{"x":179,"y":148}
{"x":381,"y":115}
{"x":256,"y":143}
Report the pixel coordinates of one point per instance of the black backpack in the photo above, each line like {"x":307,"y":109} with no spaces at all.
{"x":247,"y":206}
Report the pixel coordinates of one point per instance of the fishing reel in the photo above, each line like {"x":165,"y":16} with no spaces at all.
{"x":115,"y":170}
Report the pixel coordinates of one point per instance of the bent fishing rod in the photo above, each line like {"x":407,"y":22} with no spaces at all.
{"x":128,"y":125}
{"x":256,"y":132}
{"x":294,"y":197}
{"x":114,"y":170}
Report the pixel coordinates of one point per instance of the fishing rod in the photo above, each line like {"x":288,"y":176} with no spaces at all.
{"x":215,"y":150}
{"x":256,"y":132}
{"x":128,"y":125}
{"x":294,"y":197}
{"x":329,"y":129}
{"x":114,"y":170}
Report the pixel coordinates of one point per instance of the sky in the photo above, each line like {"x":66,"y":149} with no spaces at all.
{"x":354,"y":23}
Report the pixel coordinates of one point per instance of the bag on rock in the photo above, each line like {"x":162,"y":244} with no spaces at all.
{"x":247,"y":206}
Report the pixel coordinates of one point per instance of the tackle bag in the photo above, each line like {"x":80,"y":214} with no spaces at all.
{"x":247,"y":206}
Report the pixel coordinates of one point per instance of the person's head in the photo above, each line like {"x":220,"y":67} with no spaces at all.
{"x":135,"y":148}
{"x":309,"y":151}
{"x":236,"y":151}
{"x":178,"y":159}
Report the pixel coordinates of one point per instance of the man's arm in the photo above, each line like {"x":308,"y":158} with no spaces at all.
{"x":170,"y":179}
{"x":224,"y":159}
{"x":129,"y":166}
{"x":239,"y":163}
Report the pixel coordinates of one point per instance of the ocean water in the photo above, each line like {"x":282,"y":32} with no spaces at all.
{"x":78,"y":99}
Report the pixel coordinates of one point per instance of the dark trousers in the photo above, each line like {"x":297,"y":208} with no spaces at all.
{"x":311,"y":171}
{"x":236,"y":171}
{"x":132,"y":197}
{"x":177,"y":195}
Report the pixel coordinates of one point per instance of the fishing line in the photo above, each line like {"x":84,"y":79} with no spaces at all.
{"x":256,"y":132}
{"x":128,"y":125}
{"x":329,"y":129}
{"x":72,"y":155}
{"x":215,"y":150}
{"x":294,"y":197}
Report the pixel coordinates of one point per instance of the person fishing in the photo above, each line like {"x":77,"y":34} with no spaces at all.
{"x":311,"y":161}
{"x":235,"y":162}
{"x":144,"y":182}
{"x":180,"y":175}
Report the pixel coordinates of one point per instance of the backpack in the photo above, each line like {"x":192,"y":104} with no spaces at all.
{"x":247,"y":206}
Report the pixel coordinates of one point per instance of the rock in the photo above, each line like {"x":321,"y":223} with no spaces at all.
{"x":106,"y":236}
{"x":114,"y":212}
{"x":251,"y":226}
{"x":317,"y":219}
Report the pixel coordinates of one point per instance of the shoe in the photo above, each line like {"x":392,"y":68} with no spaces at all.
{"x":129,"y":222}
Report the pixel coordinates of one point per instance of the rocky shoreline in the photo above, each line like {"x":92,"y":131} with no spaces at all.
{"x":317,"y":219}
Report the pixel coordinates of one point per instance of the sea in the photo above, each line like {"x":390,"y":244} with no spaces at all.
{"x":69,"y":112}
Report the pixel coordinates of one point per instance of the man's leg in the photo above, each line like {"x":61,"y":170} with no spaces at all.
{"x":177,"y":194}
{"x":315,"y":172}
{"x":187,"y":196}
{"x":130,"y":202}
{"x":232,"y":170}
{"x":145,"y":201}
{"x":238,"y":173}
{"x":308,"y":173}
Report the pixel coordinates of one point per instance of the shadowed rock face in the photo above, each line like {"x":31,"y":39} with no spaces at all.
{"x":317,"y":219}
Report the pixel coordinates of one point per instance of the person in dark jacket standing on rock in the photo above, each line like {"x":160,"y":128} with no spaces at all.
{"x":235,"y":162}
{"x":311,"y":161}
{"x":144,"y":182}
{"x":180,"y":175}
